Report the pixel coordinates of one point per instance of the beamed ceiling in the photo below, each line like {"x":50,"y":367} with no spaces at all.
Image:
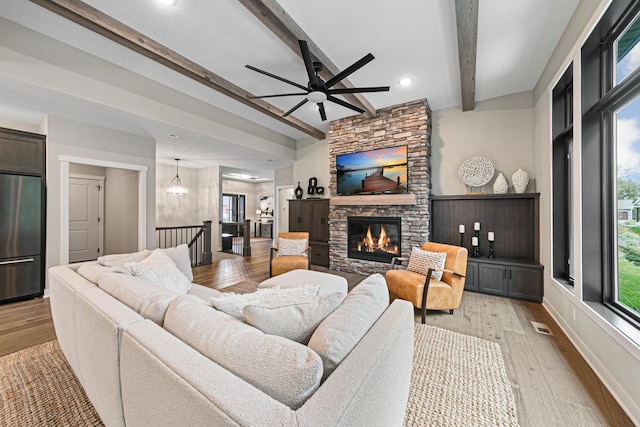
{"x":191,"y":57}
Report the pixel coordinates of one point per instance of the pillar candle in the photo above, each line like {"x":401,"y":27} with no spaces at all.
{"x":461,"y":228}
{"x":474,"y":241}
{"x":491,"y":236}
{"x":476,"y":226}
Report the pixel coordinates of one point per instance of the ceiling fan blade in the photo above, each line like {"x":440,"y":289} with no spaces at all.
{"x":349,"y":70}
{"x":278,"y":95}
{"x":358,"y":90}
{"x":282,"y":79}
{"x":344,"y":104}
{"x":323,"y":115}
{"x":308,"y":63}
{"x":300,"y":104}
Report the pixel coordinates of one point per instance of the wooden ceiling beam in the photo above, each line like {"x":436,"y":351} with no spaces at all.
{"x":91,"y":18}
{"x":276,"y":19}
{"x":467,"y":27}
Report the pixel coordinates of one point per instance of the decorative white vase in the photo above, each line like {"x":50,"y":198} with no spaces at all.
{"x":520,"y":181}
{"x":500,"y":185}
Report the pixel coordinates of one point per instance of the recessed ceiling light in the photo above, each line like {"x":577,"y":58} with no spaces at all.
{"x":167,"y":2}
{"x":173,"y":135}
{"x":406,"y":81}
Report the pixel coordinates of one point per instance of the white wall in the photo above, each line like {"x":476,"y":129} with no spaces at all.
{"x":201,"y":204}
{"x":210,"y":199}
{"x":499,"y":129}
{"x":312,"y":160}
{"x":87,"y":170}
{"x":611,"y":353}
{"x":120,"y":211}
{"x":173,"y":210}
{"x":78,"y":140}
{"x":19,"y":125}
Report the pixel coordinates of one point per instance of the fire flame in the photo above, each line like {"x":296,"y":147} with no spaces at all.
{"x":383,"y":242}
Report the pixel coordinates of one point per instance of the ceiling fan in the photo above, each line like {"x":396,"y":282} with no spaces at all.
{"x":317,"y":90}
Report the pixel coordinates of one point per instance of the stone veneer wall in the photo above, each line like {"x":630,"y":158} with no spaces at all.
{"x":406,"y":124}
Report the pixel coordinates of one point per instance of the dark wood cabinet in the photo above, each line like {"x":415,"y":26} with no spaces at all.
{"x":492,"y":279}
{"x":312,"y":215}
{"x":21,"y":152}
{"x":514,"y":218}
{"x":525,"y":283}
{"x":471,"y":281}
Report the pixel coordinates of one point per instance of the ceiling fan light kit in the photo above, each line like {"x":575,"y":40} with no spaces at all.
{"x":317,"y":90}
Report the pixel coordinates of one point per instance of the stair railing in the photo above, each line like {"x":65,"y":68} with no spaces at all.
{"x":236,"y":237}
{"x":196,"y":237}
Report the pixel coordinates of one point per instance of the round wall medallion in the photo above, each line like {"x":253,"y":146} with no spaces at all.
{"x":476,"y":171}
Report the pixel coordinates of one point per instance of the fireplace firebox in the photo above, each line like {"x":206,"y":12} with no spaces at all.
{"x":374,"y":238}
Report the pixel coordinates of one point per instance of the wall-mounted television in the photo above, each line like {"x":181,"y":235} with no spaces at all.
{"x":372,"y":172}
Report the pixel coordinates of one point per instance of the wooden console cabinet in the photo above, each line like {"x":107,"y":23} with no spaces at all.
{"x":514,"y":218}
{"x":312,"y":215}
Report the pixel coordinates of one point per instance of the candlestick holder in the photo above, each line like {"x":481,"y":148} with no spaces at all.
{"x":491,"y":254}
{"x":476,"y":233}
{"x":476,"y":252}
{"x":462,"y":240}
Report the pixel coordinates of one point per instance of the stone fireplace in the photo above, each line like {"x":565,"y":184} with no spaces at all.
{"x":374,"y":238}
{"x":406,"y":124}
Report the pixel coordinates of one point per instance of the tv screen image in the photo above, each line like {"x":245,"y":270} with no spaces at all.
{"x":372,"y":172}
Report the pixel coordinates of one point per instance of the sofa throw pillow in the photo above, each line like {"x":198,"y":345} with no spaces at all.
{"x":118,"y":260}
{"x":421,"y":261}
{"x":180,"y":255}
{"x":149,"y":301}
{"x":160,"y":270}
{"x":294,"y":321}
{"x":92,"y":271}
{"x":285,"y":370}
{"x":291,"y":247}
{"x":233,"y":304}
{"x":339,"y":333}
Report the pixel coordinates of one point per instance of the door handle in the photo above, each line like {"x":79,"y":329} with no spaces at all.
{"x":16,"y":261}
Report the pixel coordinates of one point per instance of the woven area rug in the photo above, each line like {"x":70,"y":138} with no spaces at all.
{"x":458,"y":380}
{"x":38,"y":388}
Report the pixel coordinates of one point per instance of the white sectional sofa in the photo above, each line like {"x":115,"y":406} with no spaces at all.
{"x":137,"y":373}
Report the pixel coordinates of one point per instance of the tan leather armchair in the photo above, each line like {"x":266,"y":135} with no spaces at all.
{"x":424,"y":291}
{"x":282,"y":264}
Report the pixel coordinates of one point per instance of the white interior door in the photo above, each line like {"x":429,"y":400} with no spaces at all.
{"x":284,"y":194}
{"x":85,"y":222}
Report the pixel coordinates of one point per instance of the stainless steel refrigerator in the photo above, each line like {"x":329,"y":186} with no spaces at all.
{"x":21,"y":236}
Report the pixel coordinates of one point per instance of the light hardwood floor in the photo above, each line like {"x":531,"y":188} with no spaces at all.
{"x":552,"y":383}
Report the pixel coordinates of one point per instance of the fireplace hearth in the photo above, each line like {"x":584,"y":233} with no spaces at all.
{"x":374,"y":238}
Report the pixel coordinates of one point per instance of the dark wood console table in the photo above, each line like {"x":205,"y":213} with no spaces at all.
{"x":514,"y":218}
{"x":258,"y":227}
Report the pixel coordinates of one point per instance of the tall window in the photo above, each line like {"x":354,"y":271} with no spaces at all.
{"x":233,"y":207}
{"x":611,"y":161}
{"x":562,"y":129}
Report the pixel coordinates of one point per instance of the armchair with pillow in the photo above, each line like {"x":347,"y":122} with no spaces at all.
{"x":292,"y":252}
{"x":434,"y":278}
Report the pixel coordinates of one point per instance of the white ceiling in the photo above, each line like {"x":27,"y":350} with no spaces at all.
{"x":409,"y":38}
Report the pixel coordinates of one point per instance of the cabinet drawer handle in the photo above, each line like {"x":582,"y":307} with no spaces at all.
{"x":16,"y":261}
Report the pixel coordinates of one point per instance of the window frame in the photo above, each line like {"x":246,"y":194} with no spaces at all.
{"x":562,"y":178}
{"x":239,"y":204}
{"x":601,"y":99}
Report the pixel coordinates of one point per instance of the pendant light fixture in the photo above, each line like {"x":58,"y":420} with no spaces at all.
{"x":175,"y":186}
